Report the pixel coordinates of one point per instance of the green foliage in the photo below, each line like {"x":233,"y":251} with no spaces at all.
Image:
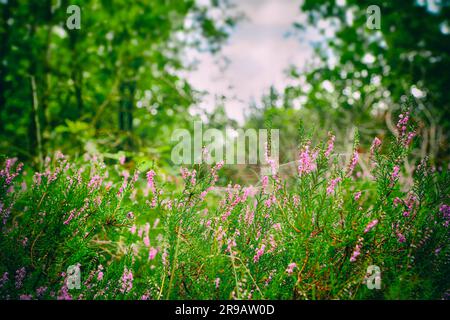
{"x":114,"y":83}
{"x":362,"y":77}
{"x":312,"y":236}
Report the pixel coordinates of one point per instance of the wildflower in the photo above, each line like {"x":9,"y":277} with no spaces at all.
{"x":226,"y":215}
{"x":130,"y":215}
{"x":167,"y":204}
{"x":37,"y":179}
{"x":205,"y":192}
{"x":20,"y":276}
{"x":409,"y":138}
{"x":395,"y":173}
{"x":290,"y":268}
{"x":64,"y":293}
{"x":357,"y":195}
{"x":217,"y":283}
{"x":193,"y":177}
{"x":152,"y":253}
{"x":108,"y":185}
{"x":330,"y":145}
{"x":409,"y":204}
{"x":59,"y":155}
{"x":296,"y":200}
{"x":203,"y":195}
{"x":277,"y":226}
{"x":71,"y":216}
{"x":375,"y":144}
{"x":123,"y":187}
{"x":147,"y":241}
{"x":397,"y":201}
{"x":371,"y":225}
{"x":122,"y":159}
{"x":230,"y":245}
{"x":133,"y":229}
{"x":127,"y":281}
{"x":7,"y":172}
{"x":95,"y":182}
{"x":126,"y":174}
{"x":332,"y":185}
{"x":3,"y":279}
{"x":100,"y":276}
{"x":401,"y":238}
{"x":265,"y":183}
{"x":150,"y":180}
{"x":25,"y":297}
{"x":402,"y":122}
{"x":153,"y":203}
{"x":164,"y":257}
{"x":184,"y":173}
{"x":41,"y":291}
{"x":259,"y":253}
{"x":306,"y":161}
{"x":249,"y":192}
{"x":216,"y":168}
{"x":5,"y":212}
{"x":135,"y":176}
{"x":353,"y":162}
{"x":249,"y":216}
{"x":270,"y":162}
{"x":220,"y":234}
{"x":404,"y":137}
{"x":219,"y":165}
{"x":445,"y":211}
{"x":357,"y":250}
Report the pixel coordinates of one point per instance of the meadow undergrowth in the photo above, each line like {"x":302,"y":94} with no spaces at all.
{"x":140,"y":235}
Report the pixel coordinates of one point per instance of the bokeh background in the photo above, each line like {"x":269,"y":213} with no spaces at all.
{"x":137,"y":70}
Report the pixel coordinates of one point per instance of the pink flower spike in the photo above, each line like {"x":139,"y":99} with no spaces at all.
{"x":126,"y":281}
{"x":150,"y":180}
{"x":152,"y":253}
{"x":332,"y":185}
{"x":306,"y":163}
{"x":395,"y":173}
{"x":217,"y":283}
{"x":330,"y":146}
{"x":290,"y":268}
{"x":371,"y":225}
{"x":375,"y":144}
{"x":147,"y":241}
{"x":353,"y":162}
{"x":259,"y":253}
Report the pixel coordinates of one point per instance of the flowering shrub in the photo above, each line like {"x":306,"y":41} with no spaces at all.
{"x":309,"y":237}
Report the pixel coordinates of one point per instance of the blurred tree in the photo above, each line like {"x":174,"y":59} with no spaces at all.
{"x":361,"y":75}
{"x":114,"y":83}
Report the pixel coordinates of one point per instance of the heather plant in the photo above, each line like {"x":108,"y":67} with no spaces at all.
{"x":146,"y":235}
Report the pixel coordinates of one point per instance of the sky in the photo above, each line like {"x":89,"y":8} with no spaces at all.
{"x":258,"y":52}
